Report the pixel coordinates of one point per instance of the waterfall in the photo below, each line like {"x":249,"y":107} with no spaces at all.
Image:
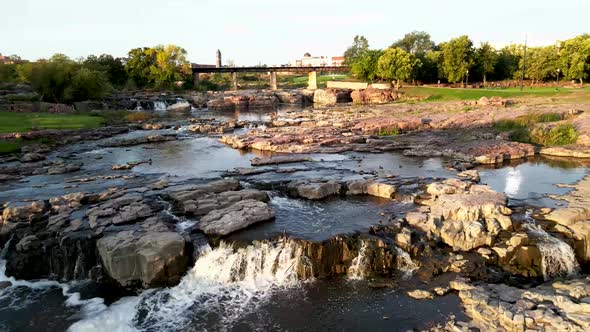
{"x":405,"y":263}
{"x":73,"y":299}
{"x":160,"y":105}
{"x":358,"y":267}
{"x":557,"y":257}
{"x":226,"y":283}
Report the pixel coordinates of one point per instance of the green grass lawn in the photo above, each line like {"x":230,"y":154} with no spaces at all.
{"x":9,"y":147}
{"x":22,"y":122}
{"x":445,"y":94}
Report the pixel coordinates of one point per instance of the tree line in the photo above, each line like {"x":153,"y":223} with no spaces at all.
{"x":415,"y":57}
{"x":61,"y":79}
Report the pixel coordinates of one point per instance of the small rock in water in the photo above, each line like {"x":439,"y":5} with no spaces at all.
{"x":420,"y":294}
{"x":5,"y":284}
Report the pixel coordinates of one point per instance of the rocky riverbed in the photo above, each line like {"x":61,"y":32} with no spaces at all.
{"x":405,"y":216}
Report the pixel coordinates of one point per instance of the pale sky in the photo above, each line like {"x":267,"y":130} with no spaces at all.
{"x":272,"y":31}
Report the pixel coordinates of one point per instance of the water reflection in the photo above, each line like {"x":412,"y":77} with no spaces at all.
{"x":513,"y":182}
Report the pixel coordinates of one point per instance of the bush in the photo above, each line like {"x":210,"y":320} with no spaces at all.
{"x":139,"y":116}
{"x":562,"y":134}
{"x":388,"y":131}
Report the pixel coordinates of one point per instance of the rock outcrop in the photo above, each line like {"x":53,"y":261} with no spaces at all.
{"x":560,"y":306}
{"x":150,"y":259}
{"x":235,"y":217}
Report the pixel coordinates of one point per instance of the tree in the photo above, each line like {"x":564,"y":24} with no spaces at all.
{"x":171,"y":65}
{"x":112,"y":67}
{"x":365,"y":65}
{"x":50,"y":78}
{"x":507,"y":62}
{"x":416,"y":43}
{"x":397,"y":64}
{"x":457,"y":58}
{"x":138,"y":66}
{"x":358,"y":47}
{"x":541,"y":63}
{"x":431,"y":69}
{"x":87,"y":84}
{"x":574,"y":57}
{"x":487,"y":58}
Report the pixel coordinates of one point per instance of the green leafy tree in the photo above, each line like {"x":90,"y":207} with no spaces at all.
{"x":507,"y":62}
{"x":416,"y":43}
{"x":50,"y":78}
{"x":458,"y":57}
{"x":574,"y":57}
{"x":397,"y":64}
{"x":87,"y":84}
{"x":7,"y":73}
{"x":139,"y":65}
{"x":112,"y":67}
{"x":541,"y":63}
{"x":358,"y":47}
{"x":365,"y":65}
{"x":487,"y":59}
{"x":171,"y":65}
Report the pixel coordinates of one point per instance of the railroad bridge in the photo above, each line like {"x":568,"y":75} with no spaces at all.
{"x":311,"y":72}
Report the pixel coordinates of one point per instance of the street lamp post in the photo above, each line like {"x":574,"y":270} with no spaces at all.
{"x":467,"y":78}
{"x":557,"y":79}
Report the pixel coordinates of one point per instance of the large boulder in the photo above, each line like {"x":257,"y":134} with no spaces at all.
{"x":331,"y":96}
{"x":235,"y":217}
{"x":144,"y":260}
{"x":463,"y":215}
{"x":317,"y":190}
{"x":373,"y":96}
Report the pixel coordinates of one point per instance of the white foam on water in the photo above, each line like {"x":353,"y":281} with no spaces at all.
{"x":557,"y":257}
{"x":160,"y":105}
{"x":358,"y":267}
{"x":405,"y":263}
{"x":73,"y":299}
{"x":226,"y":283}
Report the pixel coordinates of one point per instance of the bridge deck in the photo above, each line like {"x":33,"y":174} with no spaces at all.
{"x":331,"y":69}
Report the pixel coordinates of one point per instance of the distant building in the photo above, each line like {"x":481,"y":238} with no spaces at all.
{"x":318,"y":61}
{"x":337,"y":61}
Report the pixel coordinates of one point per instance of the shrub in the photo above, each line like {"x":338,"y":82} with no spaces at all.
{"x":139,"y":116}
{"x":562,"y":134}
{"x":388,"y":131}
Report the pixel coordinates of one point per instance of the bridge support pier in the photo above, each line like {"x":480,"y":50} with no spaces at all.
{"x":234,"y":80}
{"x":312,"y":83}
{"x":196,"y":79}
{"x":273,"y":80}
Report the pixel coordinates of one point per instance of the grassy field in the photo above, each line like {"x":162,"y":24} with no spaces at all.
{"x":21,"y":122}
{"x":448,"y":94}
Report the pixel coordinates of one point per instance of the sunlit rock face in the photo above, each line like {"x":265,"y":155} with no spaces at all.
{"x":462,"y":214}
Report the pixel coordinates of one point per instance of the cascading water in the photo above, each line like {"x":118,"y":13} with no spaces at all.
{"x":405,"y":263}
{"x":160,"y":105}
{"x":358,"y":267}
{"x":557,"y":257}
{"x":225,"y":283}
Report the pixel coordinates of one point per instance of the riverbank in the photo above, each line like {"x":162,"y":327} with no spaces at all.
{"x":214,"y":219}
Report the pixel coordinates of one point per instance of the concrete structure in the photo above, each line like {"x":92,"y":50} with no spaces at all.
{"x":218,"y":62}
{"x":357,"y":85}
{"x":311,"y":71}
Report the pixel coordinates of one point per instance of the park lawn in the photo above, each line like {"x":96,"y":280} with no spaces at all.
{"x":9,"y":147}
{"x":448,"y":94}
{"x":22,"y":122}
